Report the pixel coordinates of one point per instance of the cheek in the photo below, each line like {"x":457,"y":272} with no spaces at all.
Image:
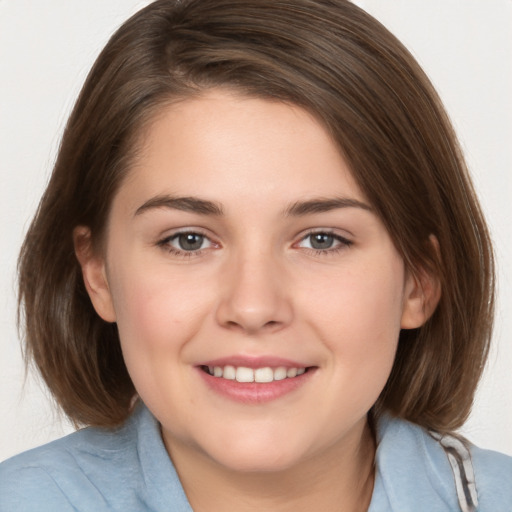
{"x":157,"y":315}
{"x":363,"y":304}
{"x":357,"y":316}
{"x":155,"y":303}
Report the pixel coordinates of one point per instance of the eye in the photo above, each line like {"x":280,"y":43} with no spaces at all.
{"x":323,"y":241}
{"x":188,"y":242}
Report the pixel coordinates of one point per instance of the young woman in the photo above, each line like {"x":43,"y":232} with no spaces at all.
{"x":259,"y":274}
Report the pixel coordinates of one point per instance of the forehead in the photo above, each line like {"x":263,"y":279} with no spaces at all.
{"x":225,"y":144}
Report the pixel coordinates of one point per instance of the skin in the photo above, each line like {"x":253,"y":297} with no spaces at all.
{"x":257,"y":287}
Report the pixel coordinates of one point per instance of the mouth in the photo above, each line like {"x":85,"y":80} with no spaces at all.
{"x":249,"y":381}
{"x":261,"y":375}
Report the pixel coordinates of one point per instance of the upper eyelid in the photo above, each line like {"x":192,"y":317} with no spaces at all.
{"x":339,"y":238}
{"x":345,"y":235}
{"x":170,"y":234}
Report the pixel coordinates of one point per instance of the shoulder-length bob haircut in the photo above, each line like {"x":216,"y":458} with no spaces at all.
{"x":343,"y":66}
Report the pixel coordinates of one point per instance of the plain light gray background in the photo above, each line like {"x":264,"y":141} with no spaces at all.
{"x":46,"y":48}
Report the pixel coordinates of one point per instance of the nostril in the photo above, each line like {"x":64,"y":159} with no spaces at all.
{"x":267,"y":325}
{"x":252,"y":311}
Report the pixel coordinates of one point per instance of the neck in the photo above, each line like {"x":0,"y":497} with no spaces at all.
{"x":338,"y":480}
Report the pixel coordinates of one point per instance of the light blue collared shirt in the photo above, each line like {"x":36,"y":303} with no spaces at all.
{"x":128,"y":469}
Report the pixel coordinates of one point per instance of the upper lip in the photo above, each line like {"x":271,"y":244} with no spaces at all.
{"x":254,"y":362}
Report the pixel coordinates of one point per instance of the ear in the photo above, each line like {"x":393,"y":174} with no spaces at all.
{"x":94,"y":274}
{"x":422,"y":292}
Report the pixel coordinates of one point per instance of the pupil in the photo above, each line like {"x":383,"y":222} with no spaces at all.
{"x":190,"y":241}
{"x":322,"y":241}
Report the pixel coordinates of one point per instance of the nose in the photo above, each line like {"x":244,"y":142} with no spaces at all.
{"x":254,"y":295}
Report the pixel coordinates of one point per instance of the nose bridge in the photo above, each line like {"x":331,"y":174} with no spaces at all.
{"x":254,"y":291}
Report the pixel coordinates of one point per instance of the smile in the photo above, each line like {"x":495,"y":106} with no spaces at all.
{"x":260,"y":375}
{"x":255,"y":379}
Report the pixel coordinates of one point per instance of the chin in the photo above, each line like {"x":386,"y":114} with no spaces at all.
{"x":257,"y":463}
{"x":257,"y":457}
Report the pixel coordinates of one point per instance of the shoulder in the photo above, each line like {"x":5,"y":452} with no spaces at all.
{"x":59,"y":474}
{"x":417,"y":469}
{"x":493,"y":477}
{"x":95,"y":469}
{"x":25,"y":488}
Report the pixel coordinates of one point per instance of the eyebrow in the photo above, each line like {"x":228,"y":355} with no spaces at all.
{"x":322,"y":205}
{"x":206,"y":207}
{"x":186,"y":204}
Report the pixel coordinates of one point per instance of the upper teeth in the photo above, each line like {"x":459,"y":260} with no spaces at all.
{"x":243,"y":374}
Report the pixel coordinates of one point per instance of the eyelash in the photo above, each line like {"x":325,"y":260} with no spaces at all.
{"x":165,"y":244}
{"x":343,"y":243}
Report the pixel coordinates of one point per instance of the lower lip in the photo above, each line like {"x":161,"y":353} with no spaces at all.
{"x":255,"y":392}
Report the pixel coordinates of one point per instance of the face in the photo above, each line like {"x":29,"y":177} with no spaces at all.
{"x":258,"y":297}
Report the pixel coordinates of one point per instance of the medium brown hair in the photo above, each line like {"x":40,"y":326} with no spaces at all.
{"x":336,"y":61}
